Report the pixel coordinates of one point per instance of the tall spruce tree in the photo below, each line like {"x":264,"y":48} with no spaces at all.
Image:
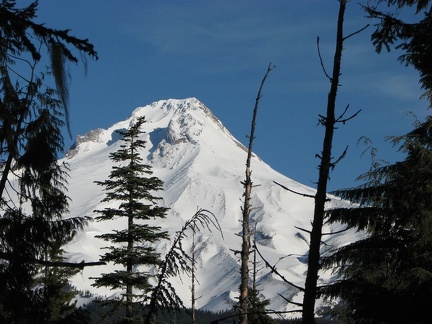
{"x":131,"y":185}
{"x":386,"y":277}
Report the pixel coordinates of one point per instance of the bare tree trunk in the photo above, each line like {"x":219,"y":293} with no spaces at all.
{"x":193,"y":279}
{"x":244,"y":271}
{"x":254,"y":264}
{"x":324,"y":170}
{"x":129,"y":269}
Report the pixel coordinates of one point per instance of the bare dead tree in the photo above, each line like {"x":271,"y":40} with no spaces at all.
{"x":247,"y":184}
{"x":326,"y":164}
{"x":193,"y":278}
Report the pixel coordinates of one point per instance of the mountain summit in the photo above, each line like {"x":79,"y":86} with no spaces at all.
{"x":202,"y":166}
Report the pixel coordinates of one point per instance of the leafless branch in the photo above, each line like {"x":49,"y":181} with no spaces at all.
{"x":356,"y":32}
{"x":275,"y":271}
{"x":302,"y":229}
{"x":78,"y":265}
{"x":290,"y":301}
{"x":321,"y":60}
{"x":333,"y":164}
{"x":343,"y":120}
{"x":295,"y":192}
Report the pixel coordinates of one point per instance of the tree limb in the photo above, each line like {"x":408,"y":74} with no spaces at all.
{"x":356,"y":32}
{"x":79,"y":265}
{"x":290,"y":301}
{"x":274,"y":270}
{"x":340,"y":119}
{"x":295,"y":192}
{"x":337,"y":232}
{"x":321,"y":60}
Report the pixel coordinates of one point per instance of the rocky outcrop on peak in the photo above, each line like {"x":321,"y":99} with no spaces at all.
{"x":92,"y":136}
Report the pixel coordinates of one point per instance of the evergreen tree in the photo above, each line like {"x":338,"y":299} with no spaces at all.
{"x":257,"y":312}
{"x":257,"y":308}
{"x":21,"y":38}
{"x":392,"y":264}
{"x":21,"y":42}
{"x":411,"y":35}
{"x":53,"y":292}
{"x":31,"y":225}
{"x":32,"y":115}
{"x":386,"y":277}
{"x":133,"y":246}
{"x":32,"y":229}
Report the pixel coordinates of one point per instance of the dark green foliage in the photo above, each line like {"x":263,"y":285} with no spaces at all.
{"x":392,"y":265}
{"x":257,"y":308}
{"x":32,"y":230}
{"x":165,"y":316}
{"x":21,"y":36}
{"x":132,"y":186}
{"x":257,"y":312}
{"x":412,"y":37}
{"x":387,"y":276}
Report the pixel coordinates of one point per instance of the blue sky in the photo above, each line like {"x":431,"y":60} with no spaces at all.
{"x":218,"y":52}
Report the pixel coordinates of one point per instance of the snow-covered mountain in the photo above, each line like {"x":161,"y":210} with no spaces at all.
{"x":202,"y":166}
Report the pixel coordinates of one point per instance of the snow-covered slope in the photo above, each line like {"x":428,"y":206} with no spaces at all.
{"x":202,"y":166}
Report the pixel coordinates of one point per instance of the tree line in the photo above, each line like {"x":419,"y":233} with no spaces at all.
{"x":390,"y":265}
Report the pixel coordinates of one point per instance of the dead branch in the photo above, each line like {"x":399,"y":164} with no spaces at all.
{"x":333,"y":164}
{"x":81,"y":265}
{"x":321,"y":60}
{"x":290,"y":301}
{"x":275,"y":271}
{"x":295,"y":192}
{"x":78,"y":265}
{"x":356,"y":32}
{"x":343,"y":120}
{"x":302,"y":229}
{"x":299,"y":193}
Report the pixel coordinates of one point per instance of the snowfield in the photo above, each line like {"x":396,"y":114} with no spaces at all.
{"x":202,"y":166}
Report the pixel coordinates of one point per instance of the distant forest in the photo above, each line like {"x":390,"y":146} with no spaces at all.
{"x":98,"y":314}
